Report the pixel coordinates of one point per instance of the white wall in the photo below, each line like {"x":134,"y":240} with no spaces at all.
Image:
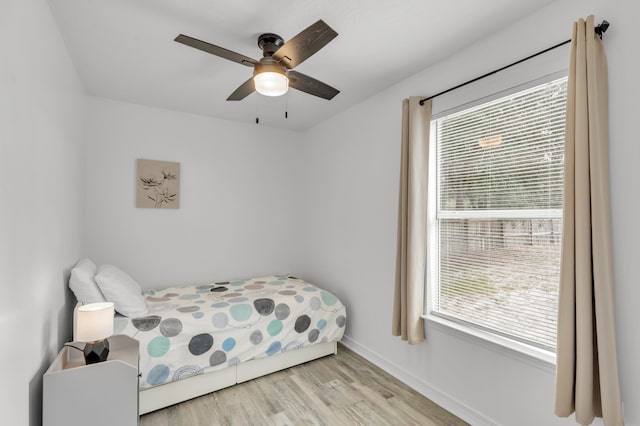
{"x":352,"y":167}
{"x":238,"y":203}
{"x":41,"y":219}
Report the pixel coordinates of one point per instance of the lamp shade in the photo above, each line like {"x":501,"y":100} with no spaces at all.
{"x":271,"y":83}
{"x":94,"y":321}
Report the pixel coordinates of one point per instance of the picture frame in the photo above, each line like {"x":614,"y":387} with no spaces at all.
{"x":157,"y":184}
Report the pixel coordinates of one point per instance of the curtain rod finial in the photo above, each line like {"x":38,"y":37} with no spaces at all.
{"x":602,"y":28}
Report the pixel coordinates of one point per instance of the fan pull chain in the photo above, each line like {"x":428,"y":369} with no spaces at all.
{"x":286,"y":106}
{"x":257,"y":112}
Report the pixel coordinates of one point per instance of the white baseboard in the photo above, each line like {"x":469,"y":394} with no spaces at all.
{"x":444,"y":400}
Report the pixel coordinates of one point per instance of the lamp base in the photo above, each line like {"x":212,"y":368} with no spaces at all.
{"x":97,"y":351}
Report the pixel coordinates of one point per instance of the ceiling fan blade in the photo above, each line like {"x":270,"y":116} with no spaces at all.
{"x":216,"y":50}
{"x":305,"y":44}
{"x":245,"y":89}
{"x":311,"y":86}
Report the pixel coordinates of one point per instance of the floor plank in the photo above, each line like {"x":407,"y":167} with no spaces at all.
{"x":342,"y":389}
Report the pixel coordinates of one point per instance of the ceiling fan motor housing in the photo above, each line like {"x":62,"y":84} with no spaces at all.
{"x":270,"y":43}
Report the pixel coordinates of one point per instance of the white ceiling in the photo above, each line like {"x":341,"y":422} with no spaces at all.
{"x":124,"y":49}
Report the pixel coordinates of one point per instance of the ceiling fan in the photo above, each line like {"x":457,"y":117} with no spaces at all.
{"x":274,"y":74}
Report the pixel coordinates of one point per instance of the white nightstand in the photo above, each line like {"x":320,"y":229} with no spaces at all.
{"x":101,"y":394}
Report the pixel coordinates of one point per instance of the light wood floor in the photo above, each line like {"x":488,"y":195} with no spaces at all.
{"x":342,"y":389}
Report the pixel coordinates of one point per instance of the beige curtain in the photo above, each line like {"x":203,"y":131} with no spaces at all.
{"x":587,"y":370}
{"x":412,"y":222}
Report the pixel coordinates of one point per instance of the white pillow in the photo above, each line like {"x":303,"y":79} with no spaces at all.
{"x":83,"y":284}
{"x":118,"y":287}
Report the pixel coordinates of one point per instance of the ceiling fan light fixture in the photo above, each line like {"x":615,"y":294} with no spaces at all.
{"x":271,"y":83}
{"x":269,"y":78}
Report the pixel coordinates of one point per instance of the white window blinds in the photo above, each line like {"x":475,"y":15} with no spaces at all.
{"x":499,"y":214}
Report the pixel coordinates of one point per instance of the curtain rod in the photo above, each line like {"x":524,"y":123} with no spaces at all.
{"x":599,"y":30}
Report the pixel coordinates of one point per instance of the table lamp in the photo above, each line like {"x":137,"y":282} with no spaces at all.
{"x":94,"y":323}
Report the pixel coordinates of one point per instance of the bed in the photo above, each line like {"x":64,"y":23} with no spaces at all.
{"x":196,"y":339}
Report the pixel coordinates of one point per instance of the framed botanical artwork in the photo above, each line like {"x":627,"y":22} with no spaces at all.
{"x":158,"y":184}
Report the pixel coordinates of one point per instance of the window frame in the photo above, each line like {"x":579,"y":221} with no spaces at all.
{"x":476,"y":333}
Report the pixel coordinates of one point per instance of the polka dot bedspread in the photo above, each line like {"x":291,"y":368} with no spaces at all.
{"x":192,"y":329}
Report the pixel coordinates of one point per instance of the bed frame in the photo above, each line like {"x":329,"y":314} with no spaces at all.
{"x":161,"y":396}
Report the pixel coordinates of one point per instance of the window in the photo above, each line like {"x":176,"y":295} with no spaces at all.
{"x":497,"y":214}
